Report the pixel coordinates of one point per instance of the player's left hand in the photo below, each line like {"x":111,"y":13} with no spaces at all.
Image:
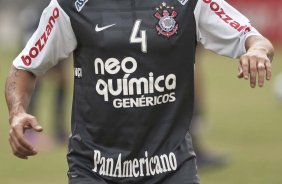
{"x":256,"y":66}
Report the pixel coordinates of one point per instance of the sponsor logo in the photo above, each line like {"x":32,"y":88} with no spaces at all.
{"x":136,"y":167}
{"x":130,"y":92}
{"x":167,"y":25}
{"x":98,"y":29}
{"x":42,"y":41}
{"x":183,"y":2}
{"x":78,"y":73}
{"x":79,"y":4}
{"x":215,"y":7}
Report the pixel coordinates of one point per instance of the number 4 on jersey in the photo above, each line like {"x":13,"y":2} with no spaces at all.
{"x":135,"y":39}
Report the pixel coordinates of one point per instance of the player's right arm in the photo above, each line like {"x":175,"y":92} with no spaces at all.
{"x":53,"y":41}
{"x":19,"y":88}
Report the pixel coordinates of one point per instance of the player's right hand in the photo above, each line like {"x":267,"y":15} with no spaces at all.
{"x":19,"y":144}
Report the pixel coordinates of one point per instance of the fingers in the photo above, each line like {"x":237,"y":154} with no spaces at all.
{"x":17,"y":149}
{"x":261,"y":73}
{"x":253,"y":72}
{"x":240,"y":72}
{"x":14,"y":149}
{"x":268,"y":70}
{"x":34,"y":124}
{"x":19,"y":136}
{"x":20,"y":146}
{"x":245,"y":67}
{"x":256,"y":67}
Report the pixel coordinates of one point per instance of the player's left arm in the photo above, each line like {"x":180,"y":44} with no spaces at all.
{"x":255,"y":64}
{"x":224,"y":30}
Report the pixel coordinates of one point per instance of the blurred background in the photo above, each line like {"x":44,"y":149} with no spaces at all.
{"x":240,"y":126}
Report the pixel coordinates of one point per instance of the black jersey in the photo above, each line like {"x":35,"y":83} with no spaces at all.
{"x":133,"y":70}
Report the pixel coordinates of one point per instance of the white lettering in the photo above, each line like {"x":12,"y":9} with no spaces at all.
{"x":130,"y":86}
{"x":135,"y":167}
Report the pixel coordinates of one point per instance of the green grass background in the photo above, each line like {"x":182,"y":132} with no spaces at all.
{"x":244,"y":123}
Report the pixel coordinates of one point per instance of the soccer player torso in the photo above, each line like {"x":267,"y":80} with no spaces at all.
{"x":133,"y":92}
{"x":134,"y":69}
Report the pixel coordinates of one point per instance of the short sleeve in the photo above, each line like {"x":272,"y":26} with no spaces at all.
{"x":53,"y":41}
{"x":221,"y":28}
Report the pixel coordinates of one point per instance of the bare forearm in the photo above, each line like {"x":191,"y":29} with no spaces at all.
{"x":19,"y":88}
{"x":260,"y":43}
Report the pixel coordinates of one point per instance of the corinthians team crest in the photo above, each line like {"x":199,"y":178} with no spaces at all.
{"x":167,"y":26}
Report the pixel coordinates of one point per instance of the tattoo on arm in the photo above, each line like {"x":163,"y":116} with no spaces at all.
{"x":19,"y":87}
{"x":11,"y":88}
{"x":9,"y":94}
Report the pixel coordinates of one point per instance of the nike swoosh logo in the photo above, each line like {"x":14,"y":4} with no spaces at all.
{"x":98,"y":29}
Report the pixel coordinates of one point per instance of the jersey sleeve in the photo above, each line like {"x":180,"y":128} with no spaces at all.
{"x":53,"y":41}
{"x":221,"y":28}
